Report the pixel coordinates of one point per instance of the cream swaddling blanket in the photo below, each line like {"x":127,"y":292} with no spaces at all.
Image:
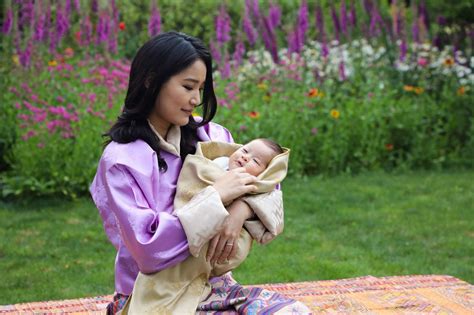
{"x":199,"y":171}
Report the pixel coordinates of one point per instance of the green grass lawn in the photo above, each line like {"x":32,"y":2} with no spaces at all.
{"x":376,"y":223}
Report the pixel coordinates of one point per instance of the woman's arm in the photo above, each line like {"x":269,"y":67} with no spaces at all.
{"x":155,"y":238}
{"x":222,"y":246}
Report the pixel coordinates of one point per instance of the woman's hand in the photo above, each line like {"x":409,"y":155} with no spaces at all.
{"x":234,"y":184}
{"x":223,"y":246}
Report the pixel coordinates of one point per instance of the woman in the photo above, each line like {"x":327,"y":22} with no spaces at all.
{"x":136,"y":177}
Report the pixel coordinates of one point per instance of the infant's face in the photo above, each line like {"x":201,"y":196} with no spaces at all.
{"x":254,"y":157}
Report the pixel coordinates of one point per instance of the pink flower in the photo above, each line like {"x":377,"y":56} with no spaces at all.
{"x":314,"y":131}
{"x":39,"y":117}
{"x":422,"y":62}
{"x":60,"y":99}
{"x":25,"y":87}
{"x":40,"y":145}
{"x":24,"y":117}
{"x":92,"y":97}
{"x":243,"y":128}
{"x":34,"y":97}
{"x":28,"y":135}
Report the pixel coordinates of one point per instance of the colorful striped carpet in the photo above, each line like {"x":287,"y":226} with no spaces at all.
{"x":430,"y":294}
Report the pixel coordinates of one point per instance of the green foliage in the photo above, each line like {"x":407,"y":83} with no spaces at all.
{"x":379,"y":118}
{"x":59,"y":116}
{"x":377,"y":223}
{"x":367,"y":104}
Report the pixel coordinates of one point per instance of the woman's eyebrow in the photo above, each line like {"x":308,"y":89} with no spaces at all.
{"x":192,"y":80}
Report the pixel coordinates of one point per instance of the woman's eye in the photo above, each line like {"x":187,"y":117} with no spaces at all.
{"x":244,"y":150}
{"x":188,"y":88}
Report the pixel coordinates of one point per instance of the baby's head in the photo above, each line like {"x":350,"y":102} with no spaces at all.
{"x":255,"y":156}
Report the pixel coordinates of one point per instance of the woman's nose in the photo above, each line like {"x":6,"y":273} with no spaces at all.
{"x":195,"y":99}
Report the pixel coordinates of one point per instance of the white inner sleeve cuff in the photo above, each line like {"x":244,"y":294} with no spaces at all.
{"x":202,"y":217}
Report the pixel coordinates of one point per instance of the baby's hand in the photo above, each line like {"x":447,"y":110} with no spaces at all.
{"x":234,"y":183}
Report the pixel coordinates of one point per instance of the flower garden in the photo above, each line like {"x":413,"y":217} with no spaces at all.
{"x":348,"y":87}
{"x":381,"y":89}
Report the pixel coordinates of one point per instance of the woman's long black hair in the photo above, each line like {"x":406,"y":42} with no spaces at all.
{"x":154,"y":64}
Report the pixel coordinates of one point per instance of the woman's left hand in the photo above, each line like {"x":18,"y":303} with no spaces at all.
{"x":223,"y":246}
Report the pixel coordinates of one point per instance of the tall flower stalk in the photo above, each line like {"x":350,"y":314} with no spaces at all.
{"x":154,"y":24}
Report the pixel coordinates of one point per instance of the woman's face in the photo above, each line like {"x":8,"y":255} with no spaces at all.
{"x":178,"y":97}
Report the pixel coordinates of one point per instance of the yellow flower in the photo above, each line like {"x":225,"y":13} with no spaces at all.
{"x":16,"y":59}
{"x":408,"y":88}
{"x":335,"y":113}
{"x":267,"y":98}
{"x":52,"y":63}
{"x":461,"y":91}
{"x":419,"y":90}
{"x":448,"y":62}
{"x":262,"y":86}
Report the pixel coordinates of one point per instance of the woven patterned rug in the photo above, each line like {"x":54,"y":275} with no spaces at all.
{"x":365,"y":295}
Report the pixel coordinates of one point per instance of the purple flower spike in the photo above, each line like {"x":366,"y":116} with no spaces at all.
{"x":77,"y":6}
{"x":222,"y":26}
{"x":375,"y":22}
{"x":25,"y":56}
{"x":252,"y":7}
{"x":302,"y":25}
{"x":86,"y":30}
{"x":424,"y":13}
{"x":335,"y":20}
{"x":67,"y":9}
{"x":7,"y":24}
{"x":292,"y":39}
{"x":368,"y":6}
{"x":226,"y":69}
{"x":320,"y":23}
{"x":441,"y":20}
{"x":415,"y":31}
{"x":249,"y":29}
{"x":62,"y":23}
{"x":215,"y":51}
{"x":154,"y":24}
{"x":95,"y":6}
{"x":344,"y":18}
{"x":238,"y":53}
{"x":399,"y":31}
{"x":403,"y":50}
{"x":353,"y":15}
{"x":269,"y":39}
{"x":275,"y":15}
{"x":39,"y":32}
{"x":26,"y":14}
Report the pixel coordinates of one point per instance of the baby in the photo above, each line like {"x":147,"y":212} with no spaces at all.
{"x":180,"y":289}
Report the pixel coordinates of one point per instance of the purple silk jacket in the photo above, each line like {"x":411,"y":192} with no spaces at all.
{"x":135,"y":202}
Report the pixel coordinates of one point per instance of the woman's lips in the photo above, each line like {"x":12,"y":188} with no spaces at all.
{"x":187,"y":111}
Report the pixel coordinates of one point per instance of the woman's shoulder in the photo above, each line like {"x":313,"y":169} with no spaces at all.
{"x":135,"y":154}
{"x":214,"y":132}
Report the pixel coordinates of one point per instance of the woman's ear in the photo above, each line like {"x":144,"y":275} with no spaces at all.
{"x":148,"y":80}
